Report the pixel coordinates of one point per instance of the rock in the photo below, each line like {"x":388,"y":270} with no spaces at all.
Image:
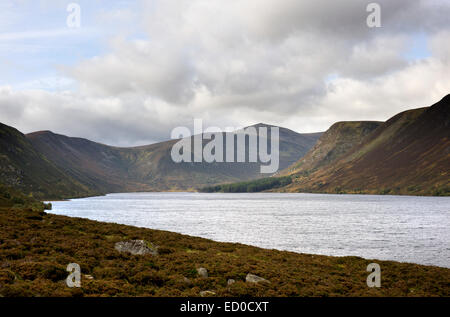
{"x":251,"y":278}
{"x":202,"y":272}
{"x":187,"y":281}
{"x":136,"y":247}
{"x":230,"y":281}
{"x":88,"y":277}
{"x":207,"y":293}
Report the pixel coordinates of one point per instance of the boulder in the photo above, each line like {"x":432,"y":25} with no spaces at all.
{"x":207,"y":293}
{"x":202,"y":272}
{"x":187,"y":281}
{"x":136,"y":247}
{"x":230,"y":281}
{"x":251,"y":278}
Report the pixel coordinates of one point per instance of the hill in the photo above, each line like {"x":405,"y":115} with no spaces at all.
{"x":335,"y":143}
{"x":105,"y":168}
{"x":408,"y":154}
{"x":25,"y":168}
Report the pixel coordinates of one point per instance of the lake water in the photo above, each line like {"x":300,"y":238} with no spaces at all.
{"x":400,"y":228}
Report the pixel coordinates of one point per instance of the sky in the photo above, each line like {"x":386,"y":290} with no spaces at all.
{"x":134,"y":70}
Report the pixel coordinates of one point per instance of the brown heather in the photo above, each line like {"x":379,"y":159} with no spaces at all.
{"x":35,"y":248}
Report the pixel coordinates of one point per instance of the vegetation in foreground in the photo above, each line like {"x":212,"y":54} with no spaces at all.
{"x":36,"y":247}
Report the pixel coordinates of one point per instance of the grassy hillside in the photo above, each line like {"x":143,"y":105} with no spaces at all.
{"x":10,"y":197}
{"x":151,"y":168}
{"x":95,"y":165}
{"x":334,"y":144}
{"x":408,"y":154}
{"x":35,"y":249}
{"x":23,"y":167}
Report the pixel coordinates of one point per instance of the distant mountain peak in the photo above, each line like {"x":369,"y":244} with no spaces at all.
{"x":261,"y":124}
{"x":42,"y":132}
{"x":102,"y":168}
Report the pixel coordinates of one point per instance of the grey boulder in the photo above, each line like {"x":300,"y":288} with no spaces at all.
{"x":202,"y":272}
{"x":251,"y":278}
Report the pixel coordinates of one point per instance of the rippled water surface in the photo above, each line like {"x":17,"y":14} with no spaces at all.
{"x":401,"y":228}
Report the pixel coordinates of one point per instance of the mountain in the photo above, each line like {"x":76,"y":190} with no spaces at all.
{"x":23,"y":167}
{"x":95,"y":165}
{"x":408,"y":154}
{"x":335,"y":143}
{"x":104,"y":168}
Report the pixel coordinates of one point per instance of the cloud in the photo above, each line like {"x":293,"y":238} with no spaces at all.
{"x":141,"y":67}
{"x":299,"y":64}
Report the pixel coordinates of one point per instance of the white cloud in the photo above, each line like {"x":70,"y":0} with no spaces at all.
{"x":299,"y":64}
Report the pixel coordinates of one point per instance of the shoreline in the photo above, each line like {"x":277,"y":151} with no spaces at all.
{"x":365,"y":248}
{"x":261,"y":192}
{"x":38,"y":246}
{"x":251,"y":245}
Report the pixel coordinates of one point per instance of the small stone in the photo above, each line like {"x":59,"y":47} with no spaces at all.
{"x":207,"y":293}
{"x":187,"y":281}
{"x":230,"y":281}
{"x":202,"y":272}
{"x":88,"y":277}
{"x":251,"y":278}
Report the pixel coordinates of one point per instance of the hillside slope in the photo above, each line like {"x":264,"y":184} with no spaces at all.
{"x":335,"y":143}
{"x":96,"y":165}
{"x":151,"y":168}
{"x":408,"y":154}
{"x":28,"y":170}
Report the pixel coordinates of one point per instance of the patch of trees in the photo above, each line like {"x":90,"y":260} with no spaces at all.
{"x":258,"y":185}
